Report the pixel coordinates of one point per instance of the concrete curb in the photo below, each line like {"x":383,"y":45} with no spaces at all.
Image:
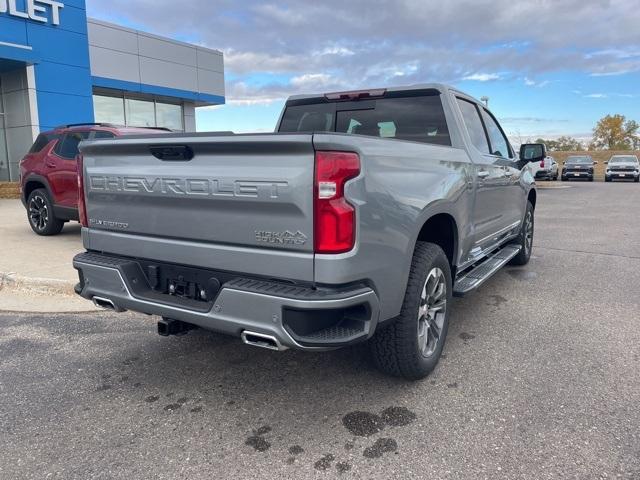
{"x":40,"y":295}
{"x":39,"y":286}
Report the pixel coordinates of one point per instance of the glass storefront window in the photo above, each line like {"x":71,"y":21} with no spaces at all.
{"x":139,"y":113}
{"x":169,"y":116}
{"x":108,"y":109}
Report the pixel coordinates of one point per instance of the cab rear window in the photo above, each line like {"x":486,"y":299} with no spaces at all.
{"x":416,"y":118}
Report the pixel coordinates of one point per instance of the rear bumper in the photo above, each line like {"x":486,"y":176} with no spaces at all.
{"x":544,"y":174}
{"x":297,"y":316}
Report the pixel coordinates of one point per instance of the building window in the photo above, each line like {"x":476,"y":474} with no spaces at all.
{"x":108,"y":109}
{"x":169,"y":116}
{"x":137,"y":113}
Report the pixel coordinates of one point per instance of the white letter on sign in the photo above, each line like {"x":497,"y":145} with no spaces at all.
{"x":34,"y":10}
{"x":55,"y":10}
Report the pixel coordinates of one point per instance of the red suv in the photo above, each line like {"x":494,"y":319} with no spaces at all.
{"x":48,"y":173}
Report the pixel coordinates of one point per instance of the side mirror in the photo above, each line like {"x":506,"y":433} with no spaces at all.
{"x":532,"y":152}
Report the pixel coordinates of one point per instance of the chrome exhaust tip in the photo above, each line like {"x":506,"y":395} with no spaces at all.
{"x":261,"y":340}
{"x":106,"y":304}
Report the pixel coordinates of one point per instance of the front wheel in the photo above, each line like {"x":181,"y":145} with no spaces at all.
{"x":637,"y":179}
{"x":411,"y":345}
{"x":525,"y":238}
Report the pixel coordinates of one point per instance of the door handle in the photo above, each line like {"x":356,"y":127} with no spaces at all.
{"x":483,"y":174}
{"x":508,"y":173}
{"x":50,"y":164}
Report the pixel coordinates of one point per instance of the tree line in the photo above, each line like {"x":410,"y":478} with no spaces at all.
{"x":613,"y":132}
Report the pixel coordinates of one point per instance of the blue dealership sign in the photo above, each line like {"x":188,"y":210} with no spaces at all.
{"x":52,"y":36}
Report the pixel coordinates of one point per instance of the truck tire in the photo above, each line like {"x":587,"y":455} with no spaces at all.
{"x":411,"y":345}
{"x":525,"y":238}
{"x":40,"y":214}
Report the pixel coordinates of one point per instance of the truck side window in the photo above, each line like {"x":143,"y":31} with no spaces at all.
{"x":472,"y":121}
{"x":499,"y":143}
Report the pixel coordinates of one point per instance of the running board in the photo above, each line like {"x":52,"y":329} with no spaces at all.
{"x":482,"y":272}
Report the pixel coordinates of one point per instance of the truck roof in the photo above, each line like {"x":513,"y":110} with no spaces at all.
{"x":441,"y":87}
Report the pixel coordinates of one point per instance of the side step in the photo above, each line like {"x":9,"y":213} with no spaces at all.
{"x":479,"y":274}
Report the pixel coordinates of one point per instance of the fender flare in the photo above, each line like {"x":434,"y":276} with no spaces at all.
{"x":34,"y":177}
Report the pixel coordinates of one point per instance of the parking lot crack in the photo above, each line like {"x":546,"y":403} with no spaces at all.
{"x":605,"y":254}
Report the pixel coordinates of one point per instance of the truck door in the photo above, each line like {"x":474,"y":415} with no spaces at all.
{"x":488,"y":216}
{"x":512,"y":193}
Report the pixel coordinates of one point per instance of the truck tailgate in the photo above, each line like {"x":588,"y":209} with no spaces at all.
{"x":240,"y":193}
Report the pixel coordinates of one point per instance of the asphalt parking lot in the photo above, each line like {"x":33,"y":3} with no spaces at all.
{"x":540,"y":379}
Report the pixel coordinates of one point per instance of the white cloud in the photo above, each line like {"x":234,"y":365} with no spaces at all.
{"x":532,"y":83}
{"x":313,"y":81}
{"x":336,"y":50}
{"x":596,"y":95}
{"x":613,"y":73}
{"x":482,"y":77}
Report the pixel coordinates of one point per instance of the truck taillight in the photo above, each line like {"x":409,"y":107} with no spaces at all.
{"x":82,"y":206}
{"x":335,"y":217}
{"x":542,"y":163}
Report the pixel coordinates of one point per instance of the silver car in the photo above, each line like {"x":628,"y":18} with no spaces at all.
{"x":622,"y":167}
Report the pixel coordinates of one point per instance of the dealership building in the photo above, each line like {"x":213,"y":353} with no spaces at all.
{"x":59,"y":67}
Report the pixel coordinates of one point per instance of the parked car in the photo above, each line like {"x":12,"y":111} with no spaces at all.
{"x":545,"y":169}
{"x":48,"y":173}
{"x":623,"y":167}
{"x":578,"y":166}
{"x":358,"y":220}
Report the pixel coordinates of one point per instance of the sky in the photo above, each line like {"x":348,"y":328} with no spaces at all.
{"x":549,"y":68}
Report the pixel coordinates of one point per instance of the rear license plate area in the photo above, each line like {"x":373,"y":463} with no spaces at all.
{"x":183,"y":282}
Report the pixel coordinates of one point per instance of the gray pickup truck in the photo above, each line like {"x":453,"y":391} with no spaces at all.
{"x":357,"y":220}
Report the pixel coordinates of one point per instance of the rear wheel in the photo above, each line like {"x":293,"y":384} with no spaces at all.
{"x":40,"y":213}
{"x":411,"y":346}
{"x":637,"y":179}
{"x":525,"y":238}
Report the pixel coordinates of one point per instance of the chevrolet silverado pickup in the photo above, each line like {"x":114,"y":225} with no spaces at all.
{"x":357,"y":220}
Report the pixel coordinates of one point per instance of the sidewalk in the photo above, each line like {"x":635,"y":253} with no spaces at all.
{"x":36,"y":272}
